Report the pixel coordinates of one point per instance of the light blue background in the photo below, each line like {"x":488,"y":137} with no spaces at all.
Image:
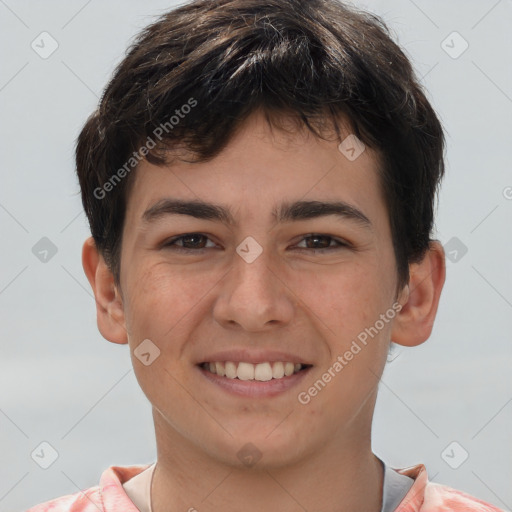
{"x":61,"y":382}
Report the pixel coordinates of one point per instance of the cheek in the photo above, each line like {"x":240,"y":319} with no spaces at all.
{"x":159,"y":298}
{"x":349,"y":303}
{"x":344,"y":297}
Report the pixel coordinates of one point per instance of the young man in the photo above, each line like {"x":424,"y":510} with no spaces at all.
{"x":259,"y":180}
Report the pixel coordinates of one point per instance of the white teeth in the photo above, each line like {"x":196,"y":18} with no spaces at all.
{"x":263,"y":372}
{"x":289,"y":368}
{"x":219,"y":369}
{"x":230,"y":370}
{"x":247,"y":371}
{"x":278,"y":370}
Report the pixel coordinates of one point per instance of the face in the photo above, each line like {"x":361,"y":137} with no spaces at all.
{"x":255,"y":282}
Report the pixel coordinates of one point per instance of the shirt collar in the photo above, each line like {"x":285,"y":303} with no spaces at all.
{"x":112,"y":493}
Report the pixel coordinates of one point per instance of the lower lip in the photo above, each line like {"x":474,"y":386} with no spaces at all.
{"x":255,"y":388}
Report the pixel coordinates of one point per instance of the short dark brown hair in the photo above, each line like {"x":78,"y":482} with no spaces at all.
{"x":313,"y":60}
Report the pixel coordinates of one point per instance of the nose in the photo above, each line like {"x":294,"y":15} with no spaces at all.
{"x":255,"y":296}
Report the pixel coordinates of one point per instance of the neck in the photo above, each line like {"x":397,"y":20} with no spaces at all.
{"x":338,"y":477}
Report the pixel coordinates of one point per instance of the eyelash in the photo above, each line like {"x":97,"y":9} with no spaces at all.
{"x":172,"y":243}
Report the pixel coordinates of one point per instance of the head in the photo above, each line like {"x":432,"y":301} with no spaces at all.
{"x":243,"y":105}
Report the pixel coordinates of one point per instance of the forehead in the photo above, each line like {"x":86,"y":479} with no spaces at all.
{"x":259,"y":163}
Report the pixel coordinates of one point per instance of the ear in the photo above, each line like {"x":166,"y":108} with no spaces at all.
{"x":109,"y":305}
{"x":413,"y":324}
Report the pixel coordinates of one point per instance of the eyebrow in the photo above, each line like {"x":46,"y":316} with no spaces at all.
{"x":294,"y":211}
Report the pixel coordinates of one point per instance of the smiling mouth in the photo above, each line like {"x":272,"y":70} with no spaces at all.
{"x":259,"y":372}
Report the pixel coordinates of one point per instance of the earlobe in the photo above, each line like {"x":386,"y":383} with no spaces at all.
{"x":413,"y":325}
{"x":109,"y":306}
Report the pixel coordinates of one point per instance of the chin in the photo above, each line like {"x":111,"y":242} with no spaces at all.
{"x":262,"y":448}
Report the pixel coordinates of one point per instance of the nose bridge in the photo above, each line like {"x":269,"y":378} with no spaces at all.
{"x":251,"y":274}
{"x":252,"y":294}
{"x":253,"y":256}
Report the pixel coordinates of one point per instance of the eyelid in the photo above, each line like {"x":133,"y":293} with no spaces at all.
{"x":340,"y":242}
{"x":171,"y":241}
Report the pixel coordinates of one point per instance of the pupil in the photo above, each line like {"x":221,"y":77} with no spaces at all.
{"x":314,"y":239}
{"x":192,"y":237}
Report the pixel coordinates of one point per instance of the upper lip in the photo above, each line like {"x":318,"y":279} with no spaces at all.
{"x":253,"y":356}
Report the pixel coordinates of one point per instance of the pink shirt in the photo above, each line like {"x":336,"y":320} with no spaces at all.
{"x":110,"y":496}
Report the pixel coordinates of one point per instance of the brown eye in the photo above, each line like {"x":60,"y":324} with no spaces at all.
{"x":320,"y":242}
{"x":189,"y":242}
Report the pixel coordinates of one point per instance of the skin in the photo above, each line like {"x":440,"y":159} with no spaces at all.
{"x":316,"y":456}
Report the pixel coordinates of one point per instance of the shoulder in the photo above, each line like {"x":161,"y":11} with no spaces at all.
{"x":441,"y":498}
{"x":108,"y":496}
{"x":81,"y":501}
{"x":427,"y":496}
